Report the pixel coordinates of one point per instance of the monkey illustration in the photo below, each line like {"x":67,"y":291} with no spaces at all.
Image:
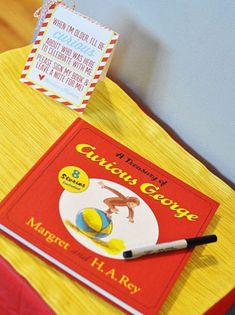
{"x":120,"y":201}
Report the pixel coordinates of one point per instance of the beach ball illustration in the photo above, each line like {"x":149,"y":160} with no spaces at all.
{"x":94,"y":223}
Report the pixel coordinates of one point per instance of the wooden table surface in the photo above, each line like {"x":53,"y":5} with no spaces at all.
{"x":17,"y":23}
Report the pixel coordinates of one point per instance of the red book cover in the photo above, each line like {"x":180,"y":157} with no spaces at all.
{"x":88,"y":199}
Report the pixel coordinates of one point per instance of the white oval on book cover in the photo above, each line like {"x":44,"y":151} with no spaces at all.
{"x":122,"y":234}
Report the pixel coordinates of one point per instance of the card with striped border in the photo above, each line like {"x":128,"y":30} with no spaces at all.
{"x":68,"y":57}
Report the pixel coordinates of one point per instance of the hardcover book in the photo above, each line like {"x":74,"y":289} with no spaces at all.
{"x":88,"y":199}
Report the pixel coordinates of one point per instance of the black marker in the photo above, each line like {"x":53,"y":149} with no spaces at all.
{"x":169,"y":246}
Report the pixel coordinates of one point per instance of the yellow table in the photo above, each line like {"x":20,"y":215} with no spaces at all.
{"x":30,"y":122}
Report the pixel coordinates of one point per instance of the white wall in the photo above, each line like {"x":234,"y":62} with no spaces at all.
{"x":178,"y":56}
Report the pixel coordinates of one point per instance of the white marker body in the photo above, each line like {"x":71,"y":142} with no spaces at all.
{"x":154,"y":249}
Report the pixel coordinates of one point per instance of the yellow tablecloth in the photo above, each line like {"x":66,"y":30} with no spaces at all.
{"x":30,"y":122}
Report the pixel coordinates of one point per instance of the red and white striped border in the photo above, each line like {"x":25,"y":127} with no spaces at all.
{"x":80,"y":108}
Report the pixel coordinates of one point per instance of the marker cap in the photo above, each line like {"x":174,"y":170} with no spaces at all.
{"x":191,"y":242}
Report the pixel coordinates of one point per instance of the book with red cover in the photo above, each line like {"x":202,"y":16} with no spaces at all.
{"x":88,"y":199}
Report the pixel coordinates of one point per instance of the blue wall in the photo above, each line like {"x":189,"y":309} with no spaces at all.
{"x":178,"y":56}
